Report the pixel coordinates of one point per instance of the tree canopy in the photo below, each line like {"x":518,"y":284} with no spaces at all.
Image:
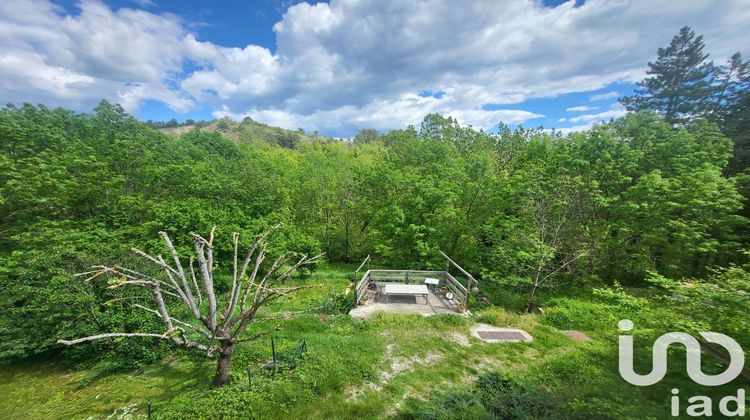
{"x":617,"y":202}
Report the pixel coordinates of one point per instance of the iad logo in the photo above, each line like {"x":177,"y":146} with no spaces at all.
{"x":700,"y":405}
{"x":693,"y":347}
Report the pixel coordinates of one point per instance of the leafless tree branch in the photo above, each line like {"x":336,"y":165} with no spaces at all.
{"x":221,"y":336}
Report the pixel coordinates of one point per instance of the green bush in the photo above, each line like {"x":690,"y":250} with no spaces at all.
{"x":579,"y":314}
{"x":338,"y":303}
{"x":505,"y":398}
{"x":492,"y":396}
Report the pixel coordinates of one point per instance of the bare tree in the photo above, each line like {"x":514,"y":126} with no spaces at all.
{"x":559,"y":241}
{"x":212,"y":330}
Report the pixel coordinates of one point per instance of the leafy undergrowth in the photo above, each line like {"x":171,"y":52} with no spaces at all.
{"x":405,"y":366}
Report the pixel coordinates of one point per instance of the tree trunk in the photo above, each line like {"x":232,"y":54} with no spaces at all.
{"x":530,"y":298}
{"x":223,"y":366}
{"x":346,"y":240}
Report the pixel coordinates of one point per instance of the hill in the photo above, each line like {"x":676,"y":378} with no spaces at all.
{"x":245,"y":131}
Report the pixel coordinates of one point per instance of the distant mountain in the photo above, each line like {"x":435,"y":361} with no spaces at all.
{"x":247,"y":130}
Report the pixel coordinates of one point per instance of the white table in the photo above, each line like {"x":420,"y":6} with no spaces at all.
{"x":407,"y":290}
{"x":429,"y":281}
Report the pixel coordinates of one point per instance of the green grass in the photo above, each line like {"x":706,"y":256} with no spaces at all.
{"x":46,"y":390}
{"x":390,"y":365}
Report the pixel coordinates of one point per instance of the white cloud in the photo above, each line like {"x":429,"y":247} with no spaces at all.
{"x":145,"y":3}
{"x":231,"y":73}
{"x":487,"y":119}
{"x":409,"y":109}
{"x":603,"y":96}
{"x":602,"y":116}
{"x":351,"y":64}
{"x":125,"y":56}
{"x":581,"y":108}
{"x":573,"y":129}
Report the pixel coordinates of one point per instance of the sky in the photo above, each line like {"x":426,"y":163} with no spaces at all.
{"x":337,"y":67}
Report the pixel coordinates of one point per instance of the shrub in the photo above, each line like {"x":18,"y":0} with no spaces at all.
{"x":338,"y":303}
{"x":492,"y":396}
{"x":570,"y":313}
{"x":508,"y":399}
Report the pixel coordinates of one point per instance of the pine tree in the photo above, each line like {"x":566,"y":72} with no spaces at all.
{"x":731,"y":84}
{"x":679,"y":85}
{"x":731,"y":109}
{"x":737,"y":127}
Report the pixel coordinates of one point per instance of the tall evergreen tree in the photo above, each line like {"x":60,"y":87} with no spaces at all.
{"x":732,"y":82}
{"x":678,"y":86}
{"x":737,"y":127}
{"x":732,"y":110}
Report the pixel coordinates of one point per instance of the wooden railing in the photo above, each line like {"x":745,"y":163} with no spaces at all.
{"x":471,"y":282}
{"x":458,"y":289}
{"x":361,"y":287}
{"x":411,"y":276}
{"x":363,"y":263}
{"x":404,"y":276}
{"x":460,"y":292}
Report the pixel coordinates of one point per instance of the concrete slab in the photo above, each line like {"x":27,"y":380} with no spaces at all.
{"x":577,"y":335}
{"x":493,"y":334}
{"x":376,"y":301}
{"x":501,"y":335}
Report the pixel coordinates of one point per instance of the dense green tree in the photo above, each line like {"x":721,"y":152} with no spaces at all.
{"x":532,"y":211}
{"x":368,"y":135}
{"x":737,"y":127}
{"x":683,"y":86}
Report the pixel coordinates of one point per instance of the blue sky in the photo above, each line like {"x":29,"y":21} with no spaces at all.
{"x":227,"y":23}
{"x":344,"y":65}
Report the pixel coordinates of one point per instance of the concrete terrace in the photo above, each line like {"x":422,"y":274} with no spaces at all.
{"x":375,"y":301}
{"x":445,"y":294}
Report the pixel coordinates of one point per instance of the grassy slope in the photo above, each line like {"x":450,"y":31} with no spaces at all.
{"x":246,"y":130}
{"x":388,"y":365}
{"x":353,"y":368}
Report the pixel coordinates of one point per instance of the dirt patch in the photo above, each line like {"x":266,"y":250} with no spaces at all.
{"x":577,"y":335}
{"x":124,"y":413}
{"x":396,"y":366}
{"x":485,"y":362}
{"x":394,"y":410}
{"x":402,"y":364}
{"x":531,"y":353}
{"x":460,"y":339}
{"x":479,"y":365}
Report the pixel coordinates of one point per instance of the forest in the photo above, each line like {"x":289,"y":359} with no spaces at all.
{"x":644,"y":217}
